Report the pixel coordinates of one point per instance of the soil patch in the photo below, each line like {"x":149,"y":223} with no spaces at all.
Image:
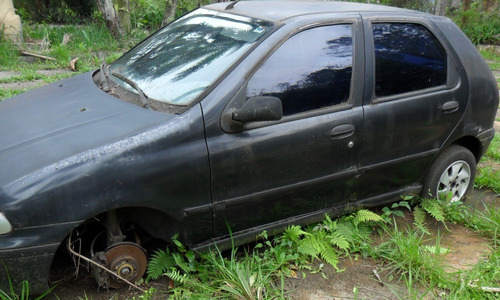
{"x":329,"y":284}
{"x":8,"y":74}
{"x":21,"y":85}
{"x":466,"y":248}
{"x":55,"y":72}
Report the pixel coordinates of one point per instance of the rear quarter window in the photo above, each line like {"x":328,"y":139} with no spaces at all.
{"x":408,"y":57}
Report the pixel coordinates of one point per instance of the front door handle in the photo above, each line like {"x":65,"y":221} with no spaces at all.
{"x":342,"y":131}
{"x":450,"y":107}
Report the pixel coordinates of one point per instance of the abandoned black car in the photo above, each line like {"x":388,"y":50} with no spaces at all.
{"x":249,"y":115}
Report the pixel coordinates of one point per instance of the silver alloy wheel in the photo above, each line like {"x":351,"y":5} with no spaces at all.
{"x":454,"y":181}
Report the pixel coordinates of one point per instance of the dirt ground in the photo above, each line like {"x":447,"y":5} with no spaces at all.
{"x":466,"y":248}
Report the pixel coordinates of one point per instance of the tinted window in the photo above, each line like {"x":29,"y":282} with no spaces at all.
{"x":311,"y":70}
{"x":407,"y":58}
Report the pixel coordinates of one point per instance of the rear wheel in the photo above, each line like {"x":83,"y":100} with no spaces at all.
{"x":451,"y":175}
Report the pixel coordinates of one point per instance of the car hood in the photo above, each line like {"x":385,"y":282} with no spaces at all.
{"x":54,"y":122}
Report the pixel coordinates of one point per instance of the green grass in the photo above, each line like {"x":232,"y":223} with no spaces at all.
{"x":488,"y":177}
{"x":91,"y":44}
{"x":480,"y":26}
{"x":493,"y":152}
{"x":5,"y":93}
{"x":491,"y":54}
{"x":492,"y":57}
{"x":20,"y":293}
{"x":408,"y":257}
{"x":488,"y":171}
{"x":8,"y":55}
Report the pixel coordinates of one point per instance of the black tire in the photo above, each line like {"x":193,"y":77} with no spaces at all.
{"x":452,"y":172}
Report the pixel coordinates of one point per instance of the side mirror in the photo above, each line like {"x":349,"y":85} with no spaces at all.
{"x":264,"y":108}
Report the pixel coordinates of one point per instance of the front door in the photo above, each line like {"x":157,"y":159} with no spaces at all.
{"x":308,"y":160}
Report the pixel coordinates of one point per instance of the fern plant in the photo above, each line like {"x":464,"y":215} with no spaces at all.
{"x":332,"y":238}
{"x":434,"y":208}
{"x":160,"y":262}
{"x":419,"y":217}
{"x":166,"y":260}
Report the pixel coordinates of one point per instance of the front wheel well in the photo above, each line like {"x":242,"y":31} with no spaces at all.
{"x":149,"y":228}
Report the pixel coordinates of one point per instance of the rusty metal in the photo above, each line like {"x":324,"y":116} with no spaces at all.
{"x":90,"y":261}
{"x":127,"y":260}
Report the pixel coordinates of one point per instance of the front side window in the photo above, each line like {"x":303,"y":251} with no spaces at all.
{"x":408,"y":57}
{"x":311,"y":70}
{"x":182,"y":60}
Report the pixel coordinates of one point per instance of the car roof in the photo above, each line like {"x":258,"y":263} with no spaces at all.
{"x":282,"y":10}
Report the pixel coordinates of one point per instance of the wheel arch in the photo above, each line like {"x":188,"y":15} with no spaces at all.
{"x":472,"y":144}
{"x":154,"y":222}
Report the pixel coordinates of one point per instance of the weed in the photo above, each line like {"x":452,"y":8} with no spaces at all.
{"x":491,"y":55}
{"x":260,"y":273}
{"x":249,"y":276}
{"x":24,"y":290}
{"x":394,"y":210}
{"x":332,"y":238}
{"x":8,"y":55}
{"x":6,"y":93}
{"x":488,"y":178}
{"x":407,"y":254}
{"x":493,"y":152}
{"x":67,"y":42}
{"x":26,"y":75}
{"x":486,"y":222}
{"x":488,"y":175}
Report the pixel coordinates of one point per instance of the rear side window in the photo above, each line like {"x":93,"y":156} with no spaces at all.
{"x":408,"y":58}
{"x":311,"y":70}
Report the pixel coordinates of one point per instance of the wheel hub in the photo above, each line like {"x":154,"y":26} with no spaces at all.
{"x":454,"y":181}
{"x":127,"y":260}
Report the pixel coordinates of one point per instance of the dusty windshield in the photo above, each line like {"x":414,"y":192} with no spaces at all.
{"x":179,"y":62}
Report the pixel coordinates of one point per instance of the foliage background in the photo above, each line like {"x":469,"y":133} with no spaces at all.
{"x":481,"y":22}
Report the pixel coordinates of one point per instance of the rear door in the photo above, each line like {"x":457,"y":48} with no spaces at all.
{"x":414,"y":98}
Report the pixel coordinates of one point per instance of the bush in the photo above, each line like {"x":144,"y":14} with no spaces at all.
{"x":147,"y":13}
{"x":55,"y":11}
{"x":480,"y":26}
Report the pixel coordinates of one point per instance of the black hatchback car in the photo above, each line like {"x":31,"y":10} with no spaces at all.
{"x":252,"y":115}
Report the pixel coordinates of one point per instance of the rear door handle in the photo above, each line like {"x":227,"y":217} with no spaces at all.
{"x":450,"y":107}
{"x":342,"y":131}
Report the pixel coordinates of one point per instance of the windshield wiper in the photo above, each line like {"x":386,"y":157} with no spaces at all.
{"x":104,"y":74}
{"x":142,"y":95}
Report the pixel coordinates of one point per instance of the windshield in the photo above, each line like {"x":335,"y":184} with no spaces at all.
{"x":182,"y":60}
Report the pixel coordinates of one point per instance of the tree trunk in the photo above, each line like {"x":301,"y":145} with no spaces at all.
{"x":490,"y":5}
{"x":123,"y":10}
{"x":170,"y":9}
{"x":466,"y":7}
{"x":467,"y":4}
{"x":110,"y":16}
{"x":455,"y":4}
{"x":441,"y":6}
